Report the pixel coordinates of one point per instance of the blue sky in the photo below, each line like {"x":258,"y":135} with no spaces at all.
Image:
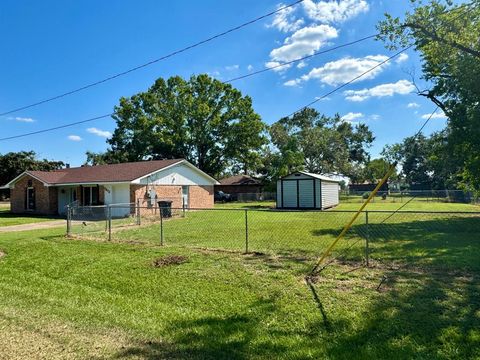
{"x":54,"y":46}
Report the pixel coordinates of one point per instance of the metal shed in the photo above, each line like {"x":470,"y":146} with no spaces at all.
{"x":303,"y":190}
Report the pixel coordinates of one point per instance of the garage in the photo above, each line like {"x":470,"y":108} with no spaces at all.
{"x":303,"y":190}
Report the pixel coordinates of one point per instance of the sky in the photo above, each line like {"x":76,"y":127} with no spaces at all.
{"x":51,"y":47}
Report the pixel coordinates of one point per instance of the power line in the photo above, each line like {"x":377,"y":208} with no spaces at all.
{"x":56,"y":127}
{"x":164,"y":57}
{"x":351,"y":81}
{"x":300,"y":59}
{"x":228,"y":81}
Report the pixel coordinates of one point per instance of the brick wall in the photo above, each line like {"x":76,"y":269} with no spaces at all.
{"x":46,"y":198}
{"x":199,"y":196}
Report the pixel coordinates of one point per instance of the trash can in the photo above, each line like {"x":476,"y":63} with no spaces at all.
{"x":165,"y":208}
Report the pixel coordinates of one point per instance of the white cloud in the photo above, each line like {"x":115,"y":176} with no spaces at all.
{"x":275,"y":66}
{"x":401,"y":87}
{"x":401,"y":58}
{"x":304,"y":42}
{"x":343,"y":70}
{"x":351,"y":116}
{"x":301,"y":64}
{"x":24,"y":119}
{"x":99,"y":132}
{"x":375,"y":117}
{"x":293,"y":82}
{"x":285,"y":21}
{"x":232,"y":67}
{"x":74,"y":138}
{"x":250,"y":67}
{"x":413,"y":105}
{"x":334,"y":11}
{"x":437,"y":115}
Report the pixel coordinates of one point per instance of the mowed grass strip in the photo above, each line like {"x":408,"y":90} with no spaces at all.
{"x":57,"y":295}
{"x":9,"y":219}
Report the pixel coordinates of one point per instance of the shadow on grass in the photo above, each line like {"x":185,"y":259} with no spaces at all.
{"x":212,"y":337}
{"x":436,"y":318}
{"x":448,"y":243}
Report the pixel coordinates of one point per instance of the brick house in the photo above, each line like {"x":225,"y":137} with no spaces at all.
{"x":144,"y":182}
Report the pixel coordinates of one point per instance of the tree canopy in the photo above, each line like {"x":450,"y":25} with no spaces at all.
{"x":446,"y":36}
{"x":13,"y":164}
{"x":207,"y":122}
{"x":317,"y":143}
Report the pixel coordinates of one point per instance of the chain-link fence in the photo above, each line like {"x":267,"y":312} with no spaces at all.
{"x":398,"y":238}
{"x":401,"y":196}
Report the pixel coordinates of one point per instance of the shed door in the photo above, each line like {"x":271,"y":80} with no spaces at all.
{"x":289,"y":193}
{"x":306,"y":193}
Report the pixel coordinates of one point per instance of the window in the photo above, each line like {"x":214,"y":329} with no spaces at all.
{"x":30,"y":199}
{"x":90,"y":195}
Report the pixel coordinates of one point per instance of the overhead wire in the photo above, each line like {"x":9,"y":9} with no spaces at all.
{"x":154,"y":61}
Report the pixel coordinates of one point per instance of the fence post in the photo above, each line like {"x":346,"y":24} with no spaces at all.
{"x":138,"y":212}
{"x":367,"y":239}
{"x":246,"y":231}
{"x":109,"y":223}
{"x":161,"y":226}
{"x":69,"y":221}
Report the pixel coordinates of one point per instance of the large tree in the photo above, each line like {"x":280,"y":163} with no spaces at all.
{"x":446,"y":34}
{"x":203,"y":120}
{"x":13,"y":164}
{"x":320,"y":144}
{"x":425,"y":160}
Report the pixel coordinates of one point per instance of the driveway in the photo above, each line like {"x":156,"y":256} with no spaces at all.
{"x":34,"y":226}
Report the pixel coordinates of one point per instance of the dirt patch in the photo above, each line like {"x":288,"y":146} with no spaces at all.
{"x":2,"y":254}
{"x":169,"y":260}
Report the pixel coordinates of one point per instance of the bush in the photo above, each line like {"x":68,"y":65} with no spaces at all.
{"x":365,"y":195}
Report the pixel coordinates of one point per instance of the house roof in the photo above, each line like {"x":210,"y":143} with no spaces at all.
{"x":125,"y":172}
{"x":239,"y":180}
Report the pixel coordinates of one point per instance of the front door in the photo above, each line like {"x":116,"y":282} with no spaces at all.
{"x":185,"y":196}
{"x":30,"y":198}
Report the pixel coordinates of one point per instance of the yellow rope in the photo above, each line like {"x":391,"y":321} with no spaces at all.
{"x":350,"y":223}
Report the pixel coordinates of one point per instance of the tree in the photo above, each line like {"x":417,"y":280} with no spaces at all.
{"x":446,"y":36}
{"x":425,"y":160}
{"x":376,"y":169}
{"x":203,"y":120}
{"x":320,"y":144}
{"x":13,"y":164}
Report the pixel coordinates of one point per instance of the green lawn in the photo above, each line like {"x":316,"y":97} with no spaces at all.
{"x":8,"y":219}
{"x":74,"y":298}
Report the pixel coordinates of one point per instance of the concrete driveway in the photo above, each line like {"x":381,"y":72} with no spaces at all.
{"x":34,"y":226}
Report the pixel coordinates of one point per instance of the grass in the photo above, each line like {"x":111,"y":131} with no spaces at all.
{"x":200,"y":297}
{"x":378,"y":204}
{"x":84,"y":299}
{"x":9,"y":219}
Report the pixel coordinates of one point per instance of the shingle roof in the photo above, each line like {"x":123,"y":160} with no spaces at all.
{"x":124,"y":172}
{"x":239,"y":180}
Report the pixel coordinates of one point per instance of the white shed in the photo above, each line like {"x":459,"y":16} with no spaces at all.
{"x":303,"y":190}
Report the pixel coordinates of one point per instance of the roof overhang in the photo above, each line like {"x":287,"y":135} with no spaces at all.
{"x":11,"y":184}
{"x":184,"y":162}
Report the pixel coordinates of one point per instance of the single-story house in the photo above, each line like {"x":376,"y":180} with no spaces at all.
{"x":144,"y":182}
{"x":239,"y":184}
{"x":303,"y":190}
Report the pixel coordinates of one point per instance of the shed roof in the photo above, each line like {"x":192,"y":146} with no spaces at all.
{"x":316,"y":176}
{"x":125,"y":172}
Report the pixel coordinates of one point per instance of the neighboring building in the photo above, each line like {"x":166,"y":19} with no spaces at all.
{"x":240,"y":184}
{"x":367,"y":186}
{"x":146,"y":182}
{"x":303,"y":190}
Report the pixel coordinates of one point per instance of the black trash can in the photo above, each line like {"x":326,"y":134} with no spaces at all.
{"x":165,"y":208}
